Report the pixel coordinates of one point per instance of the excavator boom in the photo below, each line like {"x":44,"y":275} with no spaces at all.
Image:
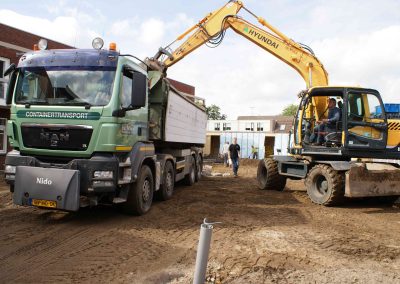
{"x":211,"y":29}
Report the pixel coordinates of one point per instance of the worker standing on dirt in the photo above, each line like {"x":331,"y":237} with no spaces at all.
{"x":254,"y":152}
{"x":225,"y":153}
{"x":234,"y":155}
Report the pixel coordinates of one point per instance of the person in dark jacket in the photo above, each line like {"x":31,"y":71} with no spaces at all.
{"x":234,"y":156}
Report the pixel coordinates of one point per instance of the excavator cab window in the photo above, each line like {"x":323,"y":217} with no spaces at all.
{"x":363,"y":117}
{"x":324,"y":129}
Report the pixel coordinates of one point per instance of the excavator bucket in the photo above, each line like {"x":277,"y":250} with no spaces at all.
{"x":372,"y":179}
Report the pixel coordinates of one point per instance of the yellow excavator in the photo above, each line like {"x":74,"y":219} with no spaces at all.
{"x":350,"y":124}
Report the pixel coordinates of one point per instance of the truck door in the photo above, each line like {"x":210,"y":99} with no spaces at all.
{"x":365,"y":122}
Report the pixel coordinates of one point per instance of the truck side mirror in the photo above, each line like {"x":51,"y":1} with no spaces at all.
{"x":139,"y":86}
{"x":10,"y":69}
{"x":11,"y":85}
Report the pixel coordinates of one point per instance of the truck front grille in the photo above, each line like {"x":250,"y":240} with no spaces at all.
{"x":56,"y":137}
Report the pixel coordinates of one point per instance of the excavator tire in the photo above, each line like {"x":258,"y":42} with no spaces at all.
{"x":325,"y":186}
{"x":268,"y":177}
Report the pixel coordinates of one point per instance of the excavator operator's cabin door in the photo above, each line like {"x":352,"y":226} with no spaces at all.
{"x":366,"y":123}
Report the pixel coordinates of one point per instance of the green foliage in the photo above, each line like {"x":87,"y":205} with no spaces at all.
{"x":290,"y":110}
{"x":214,"y":113}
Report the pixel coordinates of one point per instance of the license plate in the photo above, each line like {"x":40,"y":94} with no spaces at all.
{"x":44,"y":203}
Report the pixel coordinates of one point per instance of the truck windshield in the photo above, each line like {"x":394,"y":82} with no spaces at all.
{"x":65,"y":86}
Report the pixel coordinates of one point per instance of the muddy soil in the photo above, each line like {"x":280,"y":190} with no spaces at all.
{"x":265,"y":237}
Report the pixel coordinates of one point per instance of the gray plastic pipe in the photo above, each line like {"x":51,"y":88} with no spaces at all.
{"x":203,"y":250}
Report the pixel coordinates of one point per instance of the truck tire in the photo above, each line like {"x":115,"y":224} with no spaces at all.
{"x":190,"y":178}
{"x":325,"y":186}
{"x":199,"y":168}
{"x":168,"y":182}
{"x":140,"y":196}
{"x":268,"y":177}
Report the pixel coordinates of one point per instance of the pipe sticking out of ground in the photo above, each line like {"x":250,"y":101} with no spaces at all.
{"x":203,"y":250}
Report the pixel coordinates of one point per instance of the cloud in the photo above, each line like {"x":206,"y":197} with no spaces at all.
{"x":368,"y":60}
{"x":143,"y":37}
{"x":151,"y":31}
{"x":64,"y":29}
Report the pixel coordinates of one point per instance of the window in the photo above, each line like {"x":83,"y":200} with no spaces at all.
{"x":3,"y":136}
{"x":126,"y":88}
{"x":4,"y":63}
{"x":226,"y":126}
{"x":217,"y":126}
{"x":260,"y":126}
{"x":249,"y":126}
{"x":363,"y":109}
{"x":79,"y":86}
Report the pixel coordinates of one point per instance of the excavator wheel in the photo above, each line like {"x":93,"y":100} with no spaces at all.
{"x":325,"y":186}
{"x":268,"y":177}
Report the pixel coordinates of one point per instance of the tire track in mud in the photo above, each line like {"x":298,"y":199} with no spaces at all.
{"x":265,"y":236}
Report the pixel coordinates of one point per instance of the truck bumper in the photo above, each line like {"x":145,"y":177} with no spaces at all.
{"x":50,"y":188}
{"x":88,"y":185}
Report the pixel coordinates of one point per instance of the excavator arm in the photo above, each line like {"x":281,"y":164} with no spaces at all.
{"x":212,"y":29}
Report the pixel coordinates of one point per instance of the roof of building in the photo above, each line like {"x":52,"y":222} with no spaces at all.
{"x":265,"y":117}
{"x":280,"y":123}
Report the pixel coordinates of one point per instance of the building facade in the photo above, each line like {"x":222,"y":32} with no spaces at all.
{"x":268,"y":134}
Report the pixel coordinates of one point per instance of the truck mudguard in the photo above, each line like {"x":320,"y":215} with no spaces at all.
{"x":140,"y":152}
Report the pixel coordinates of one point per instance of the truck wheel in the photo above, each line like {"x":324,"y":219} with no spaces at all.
{"x":190,"y":178}
{"x":325,"y":186}
{"x":268,"y":177}
{"x":140,"y":195}
{"x":167,"y":187}
{"x":199,"y":168}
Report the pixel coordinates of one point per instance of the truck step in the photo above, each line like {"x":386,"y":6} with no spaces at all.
{"x":124,"y":165}
{"x":124,"y":181}
{"x":119,"y":200}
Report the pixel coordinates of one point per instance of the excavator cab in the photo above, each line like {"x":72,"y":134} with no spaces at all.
{"x":359,"y":127}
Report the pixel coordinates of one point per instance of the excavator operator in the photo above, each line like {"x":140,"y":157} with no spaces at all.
{"x":326,"y":125}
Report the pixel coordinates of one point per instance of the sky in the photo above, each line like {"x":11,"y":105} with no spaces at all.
{"x":357,"y":41}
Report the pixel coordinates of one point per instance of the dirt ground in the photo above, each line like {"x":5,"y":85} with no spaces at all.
{"x":265,"y":237}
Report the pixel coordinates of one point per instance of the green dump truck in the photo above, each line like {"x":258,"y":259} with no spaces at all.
{"x":92,"y":126}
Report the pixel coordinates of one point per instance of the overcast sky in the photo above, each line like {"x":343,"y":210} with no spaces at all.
{"x":357,"y":41}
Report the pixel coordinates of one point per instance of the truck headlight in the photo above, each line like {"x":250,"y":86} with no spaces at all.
{"x":10,"y":169}
{"x":103,"y":174}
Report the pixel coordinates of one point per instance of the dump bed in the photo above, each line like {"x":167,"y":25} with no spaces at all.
{"x":173,"y":116}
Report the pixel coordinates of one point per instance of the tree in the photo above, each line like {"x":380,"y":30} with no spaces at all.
{"x":214,"y":113}
{"x":290,"y":110}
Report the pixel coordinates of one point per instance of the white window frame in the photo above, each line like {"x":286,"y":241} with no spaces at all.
{"x":4,"y":80}
{"x":226,"y":126}
{"x":217,"y":126}
{"x":260,"y":126}
{"x":249,"y":126}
